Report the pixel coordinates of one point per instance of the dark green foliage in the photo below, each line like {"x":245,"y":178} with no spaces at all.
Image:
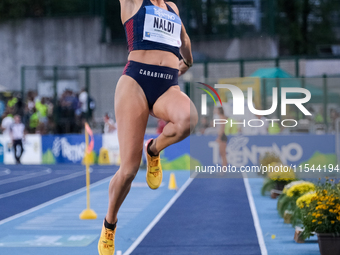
{"x":268,"y":185}
{"x":286,"y":203}
{"x":14,"y":9}
{"x":302,"y":25}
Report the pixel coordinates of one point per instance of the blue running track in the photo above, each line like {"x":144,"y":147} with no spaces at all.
{"x":54,"y":227}
{"x":25,"y":186}
{"x":212,"y":216}
{"x":40,"y":207}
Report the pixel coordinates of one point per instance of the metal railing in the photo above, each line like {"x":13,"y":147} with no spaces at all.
{"x":100,"y":82}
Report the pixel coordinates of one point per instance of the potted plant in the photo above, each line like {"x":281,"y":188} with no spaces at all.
{"x":277,"y":179}
{"x":286,"y":204}
{"x":322,"y":216}
{"x":268,"y":159}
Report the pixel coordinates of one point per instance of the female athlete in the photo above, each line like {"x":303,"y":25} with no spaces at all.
{"x":156,"y":39}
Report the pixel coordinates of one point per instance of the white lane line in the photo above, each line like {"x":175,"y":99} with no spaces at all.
{"x":16,"y":172}
{"x":255,"y":216}
{"x":42,"y":184}
{"x":53,"y":201}
{"x":158,"y":217}
{"x":71,"y":171}
{"x":5,"y":172}
{"x":25,"y":177}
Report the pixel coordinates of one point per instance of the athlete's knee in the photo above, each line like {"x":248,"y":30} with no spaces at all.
{"x":127,"y":175}
{"x":186,"y":123}
{"x":128,"y":172}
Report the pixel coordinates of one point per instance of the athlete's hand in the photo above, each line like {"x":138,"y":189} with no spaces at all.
{"x":182,"y":68}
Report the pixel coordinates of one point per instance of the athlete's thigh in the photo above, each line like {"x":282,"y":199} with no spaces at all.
{"x":174,"y":106}
{"x":132,"y":113}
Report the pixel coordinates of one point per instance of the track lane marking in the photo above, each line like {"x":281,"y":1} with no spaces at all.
{"x":5,"y":172}
{"x":25,"y":177}
{"x":42,"y":184}
{"x":256,"y":220}
{"x":53,"y":201}
{"x":158,"y":217}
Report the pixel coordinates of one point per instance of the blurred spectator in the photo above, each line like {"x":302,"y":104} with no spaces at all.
{"x":109,"y":124}
{"x":42,"y":110}
{"x":30,"y":101}
{"x":230,"y":127}
{"x":303,"y":126}
{"x":261,"y":130}
{"x":38,"y":114}
{"x":11,"y":102}
{"x":92,"y":107}
{"x":2,"y":106}
{"x":41,"y":129}
{"x":319,"y":117}
{"x":34,"y":121}
{"x":204,"y":124}
{"x":68,"y":104}
{"x":71,"y":100}
{"x":333,"y":117}
{"x":83,"y":97}
{"x":7,"y":121}
{"x":17,"y":133}
{"x":274,"y":128}
{"x":50,"y":107}
{"x":320,"y":127}
{"x":78,"y":114}
{"x":19,"y":105}
{"x":26,"y":116}
{"x":36,"y":96}
{"x":51,"y":126}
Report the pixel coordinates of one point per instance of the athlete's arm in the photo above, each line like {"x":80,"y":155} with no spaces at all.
{"x":185,"y":49}
{"x":127,"y":7}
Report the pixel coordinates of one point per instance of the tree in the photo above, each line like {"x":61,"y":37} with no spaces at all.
{"x":11,"y":9}
{"x":305,"y":24}
{"x":15,"y":9}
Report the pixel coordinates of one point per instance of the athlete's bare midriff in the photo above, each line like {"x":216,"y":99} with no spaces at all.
{"x":151,"y":57}
{"x":154,"y":57}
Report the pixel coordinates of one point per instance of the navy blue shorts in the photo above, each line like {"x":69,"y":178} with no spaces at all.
{"x":154,"y":80}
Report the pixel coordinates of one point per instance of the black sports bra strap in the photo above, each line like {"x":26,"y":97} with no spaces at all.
{"x":147,"y":2}
{"x":170,"y":9}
